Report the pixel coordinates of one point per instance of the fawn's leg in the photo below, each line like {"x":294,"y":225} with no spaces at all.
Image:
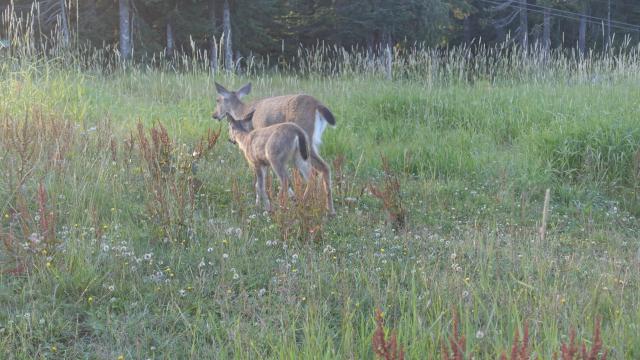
{"x":261,"y":192}
{"x":283,"y":177}
{"x":323,"y":168}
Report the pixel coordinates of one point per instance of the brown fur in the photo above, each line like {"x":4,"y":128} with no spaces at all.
{"x":274,"y":146}
{"x":299,"y":109}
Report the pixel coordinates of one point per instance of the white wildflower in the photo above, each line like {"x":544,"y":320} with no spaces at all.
{"x":329,"y":249}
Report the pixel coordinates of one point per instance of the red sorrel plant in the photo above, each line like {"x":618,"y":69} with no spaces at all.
{"x":571,"y":352}
{"x":339,"y":178}
{"x":169,"y":179}
{"x":520,"y":348}
{"x":303,"y":217}
{"x":28,"y":233}
{"x":456,"y":348}
{"x":391,"y":196}
{"x":238,"y":195}
{"x":383,"y":348}
{"x":31,"y":149}
{"x":38,"y":143}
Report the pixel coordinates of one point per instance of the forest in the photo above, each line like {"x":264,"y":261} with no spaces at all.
{"x":238,"y":29}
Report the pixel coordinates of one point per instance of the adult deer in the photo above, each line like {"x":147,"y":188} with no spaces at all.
{"x":303,"y":110}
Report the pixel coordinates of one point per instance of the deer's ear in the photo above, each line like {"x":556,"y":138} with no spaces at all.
{"x":222,"y":91}
{"x":244,"y":91}
{"x":248,"y":117}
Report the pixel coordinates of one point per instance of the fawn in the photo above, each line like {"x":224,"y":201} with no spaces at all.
{"x":273,"y":146}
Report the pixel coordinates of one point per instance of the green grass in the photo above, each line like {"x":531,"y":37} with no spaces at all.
{"x":473,"y":160}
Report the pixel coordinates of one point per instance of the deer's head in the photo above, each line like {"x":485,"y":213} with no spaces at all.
{"x":229,"y":102}
{"x":238,"y":127}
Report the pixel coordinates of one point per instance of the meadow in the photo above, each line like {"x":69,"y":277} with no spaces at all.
{"x":129,"y":230}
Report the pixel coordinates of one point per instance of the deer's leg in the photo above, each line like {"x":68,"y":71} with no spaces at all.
{"x":323,"y":168}
{"x":261,"y":192}
{"x":304,"y":166}
{"x":281,"y":173}
{"x":257,"y":185}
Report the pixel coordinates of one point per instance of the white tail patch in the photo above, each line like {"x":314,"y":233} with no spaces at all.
{"x":319,"y":126}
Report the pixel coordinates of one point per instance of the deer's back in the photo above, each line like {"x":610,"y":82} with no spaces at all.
{"x":275,"y":139}
{"x":299,"y":109}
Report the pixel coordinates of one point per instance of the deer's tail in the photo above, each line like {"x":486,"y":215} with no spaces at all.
{"x":303,"y":144}
{"x":327,"y":115}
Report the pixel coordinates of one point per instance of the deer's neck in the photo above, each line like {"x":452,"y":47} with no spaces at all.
{"x":242,"y":139}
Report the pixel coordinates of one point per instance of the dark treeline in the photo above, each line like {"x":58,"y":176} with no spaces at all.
{"x":142,"y":27}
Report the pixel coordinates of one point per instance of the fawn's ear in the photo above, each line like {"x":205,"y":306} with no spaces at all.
{"x":244,"y":91}
{"x":221,"y":90}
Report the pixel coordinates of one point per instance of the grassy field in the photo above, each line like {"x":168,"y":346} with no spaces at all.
{"x":117,"y":249}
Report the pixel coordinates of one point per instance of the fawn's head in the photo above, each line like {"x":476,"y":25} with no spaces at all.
{"x":229,"y":102}
{"x":238,"y":127}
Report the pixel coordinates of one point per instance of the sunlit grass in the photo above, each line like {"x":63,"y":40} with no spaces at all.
{"x":473,"y":159}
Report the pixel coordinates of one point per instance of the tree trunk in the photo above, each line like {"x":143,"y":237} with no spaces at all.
{"x":388,"y":62}
{"x":524,"y":25}
{"x":582,"y":34}
{"x":64,"y":23}
{"x":226,"y":29}
{"x":125,"y":29}
{"x":92,"y":10}
{"x":608,"y":40}
{"x":213,"y":60}
{"x":170,"y":40}
{"x":546,"y":30}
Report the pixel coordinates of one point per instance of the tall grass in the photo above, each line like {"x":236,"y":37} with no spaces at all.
{"x":473,"y":137}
